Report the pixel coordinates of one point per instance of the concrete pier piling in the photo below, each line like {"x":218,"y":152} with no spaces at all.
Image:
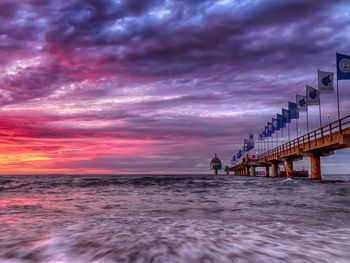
{"x":275,"y":169}
{"x":315,"y":164}
{"x":252,"y":170}
{"x":288,"y":164}
{"x":267,"y":171}
{"x":246,"y":171}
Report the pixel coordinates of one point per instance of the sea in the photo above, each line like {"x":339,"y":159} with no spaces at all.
{"x":173,"y":218}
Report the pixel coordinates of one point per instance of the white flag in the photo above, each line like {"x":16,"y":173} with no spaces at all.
{"x":301,"y":103}
{"x":312,"y":96}
{"x":325,"y":81}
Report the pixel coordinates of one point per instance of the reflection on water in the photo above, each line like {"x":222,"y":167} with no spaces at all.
{"x":173,"y":218}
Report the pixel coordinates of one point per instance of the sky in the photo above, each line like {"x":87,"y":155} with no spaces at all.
{"x":130,"y":86}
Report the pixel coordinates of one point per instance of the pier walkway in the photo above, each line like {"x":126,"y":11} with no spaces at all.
{"x":321,"y":142}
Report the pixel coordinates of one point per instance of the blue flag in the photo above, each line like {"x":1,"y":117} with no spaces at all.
{"x":293,"y":110}
{"x":270,"y":127}
{"x":275,"y":124}
{"x":286,"y":115}
{"x":261,"y":136}
{"x":343,"y":66}
{"x":251,"y":141}
{"x":246,"y":145}
{"x":239,"y":154}
{"x":233,"y":158}
{"x":281,"y":122}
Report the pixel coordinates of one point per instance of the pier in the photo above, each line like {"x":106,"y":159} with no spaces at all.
{"x":315,"y":144}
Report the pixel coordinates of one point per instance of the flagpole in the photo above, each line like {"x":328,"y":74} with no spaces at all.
{"x":297,"y":127}
{"x":307,"y":118}
{"x":282,"y":135}
{"x":289,"y":131}
{"x":338,"y":99}
{"x":264,"y":144}
{"x":319,"y":109}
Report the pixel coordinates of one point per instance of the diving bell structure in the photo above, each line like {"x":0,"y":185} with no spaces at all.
{"x":215,"y":164}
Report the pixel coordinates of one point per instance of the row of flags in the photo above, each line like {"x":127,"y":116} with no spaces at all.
{"x":280,"y":121}
{"x":248,"y":145}
{"x":312,"y":97}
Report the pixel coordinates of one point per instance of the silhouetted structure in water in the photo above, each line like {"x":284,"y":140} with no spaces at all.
{"x":227,"y":170}
{"x":215,"y":164}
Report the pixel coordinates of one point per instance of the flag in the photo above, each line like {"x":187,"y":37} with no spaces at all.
{"x":233,"y":158}
{"x":270,"y":127}
{"x":343,"y":66}
{"x":281,"y":122}
{"x":251,"y":137}
{"x":246,"y":145}
{"x":267,"y":133}
{"x":325,"y":81}
{"x":251,"y":141}
{"x":293,"y":112}
{"x":239,"y":154}
{"x":262,"y":134}
{"x":275,"y":124}
{"x":301,"y":103}
{"x":312,"y":96}
{"x":286,"y":115}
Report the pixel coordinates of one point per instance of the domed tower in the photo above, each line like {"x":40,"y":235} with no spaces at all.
{"x":215,"y":164}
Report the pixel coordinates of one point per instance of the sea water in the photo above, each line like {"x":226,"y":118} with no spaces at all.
{"x":173,"y":218}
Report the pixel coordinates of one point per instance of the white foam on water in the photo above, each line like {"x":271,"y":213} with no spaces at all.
{"x":158,"y":240}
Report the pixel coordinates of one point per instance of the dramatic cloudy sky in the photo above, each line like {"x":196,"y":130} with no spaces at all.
{"x":131,"y":86}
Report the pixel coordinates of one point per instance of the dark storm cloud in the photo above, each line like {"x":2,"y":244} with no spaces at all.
{"x":173,"y":45}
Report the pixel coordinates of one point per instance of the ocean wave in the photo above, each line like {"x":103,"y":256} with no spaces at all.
{"x":146,"y":240}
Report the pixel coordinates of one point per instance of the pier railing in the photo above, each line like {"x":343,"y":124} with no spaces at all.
{"x":328,"y":130}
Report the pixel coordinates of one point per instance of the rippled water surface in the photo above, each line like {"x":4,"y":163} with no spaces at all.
{"x":173,"y":218}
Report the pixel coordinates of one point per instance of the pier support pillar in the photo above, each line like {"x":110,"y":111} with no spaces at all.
{"x":252,"y":170}
{"x":246,"y":172}
{"x":267,"y":171}
{"x":275,"y":169}
{"x":315,"y":164}
{"x":289,"y":167}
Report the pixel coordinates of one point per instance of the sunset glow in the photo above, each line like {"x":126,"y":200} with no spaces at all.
{"x":155,"y":86}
